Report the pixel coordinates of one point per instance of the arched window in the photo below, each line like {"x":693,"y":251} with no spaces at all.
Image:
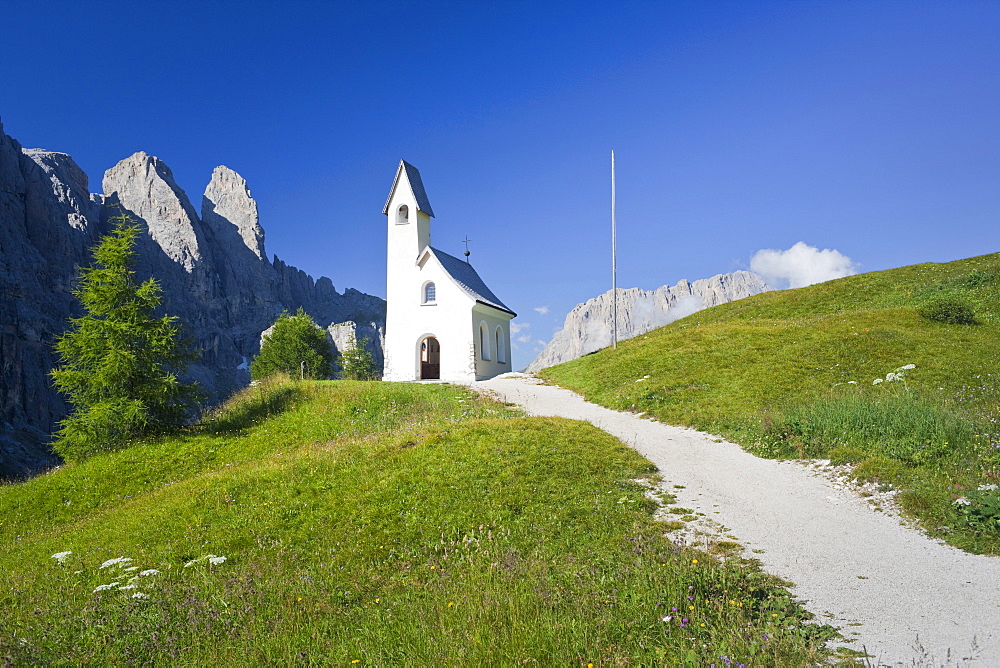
{"x":484,"y":342}
{"x":403,"y":215}
{"x":501,"y":342}
{"x":430,"y":293}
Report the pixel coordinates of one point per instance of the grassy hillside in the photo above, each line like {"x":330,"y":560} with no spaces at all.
{"x":790,"y":374}
{"x":372,"y":524}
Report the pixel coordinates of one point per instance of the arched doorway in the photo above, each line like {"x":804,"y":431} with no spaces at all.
{"x":430,"y":359}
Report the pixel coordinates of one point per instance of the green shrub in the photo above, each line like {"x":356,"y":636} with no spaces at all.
{"x":296,"y":346}
{"x":950,"y":310}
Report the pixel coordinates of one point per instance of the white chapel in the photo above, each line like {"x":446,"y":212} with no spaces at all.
{"x":442,"y":322}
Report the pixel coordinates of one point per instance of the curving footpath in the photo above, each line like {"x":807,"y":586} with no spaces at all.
{"x":903,"y":597}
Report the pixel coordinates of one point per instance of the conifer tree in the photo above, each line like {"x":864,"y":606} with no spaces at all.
{"x":296,"y":346}
{"x":119,"y":363}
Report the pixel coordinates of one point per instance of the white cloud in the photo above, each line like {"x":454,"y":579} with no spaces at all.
{"x":801,"y":265}
{"x":524,"y":338}
{"x":685,"y":307}
{"x":516,"y":327}
{"x":542,"y":310}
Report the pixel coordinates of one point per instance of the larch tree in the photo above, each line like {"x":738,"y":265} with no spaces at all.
{"x":120,"y":362}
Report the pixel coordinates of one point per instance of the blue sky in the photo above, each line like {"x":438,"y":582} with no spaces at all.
{"x":872,"y":128}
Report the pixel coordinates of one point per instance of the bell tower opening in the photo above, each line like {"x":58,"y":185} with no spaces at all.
{"x":430,"y":359}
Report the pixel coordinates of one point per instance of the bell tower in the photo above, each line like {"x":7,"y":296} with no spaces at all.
{"x":409,"y":215}
{"x":408,"y":219}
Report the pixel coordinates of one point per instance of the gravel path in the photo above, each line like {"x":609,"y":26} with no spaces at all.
{"x":904,"y":597}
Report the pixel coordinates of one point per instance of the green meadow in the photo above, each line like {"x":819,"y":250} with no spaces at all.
{"x":350,"y":523}
{"x":806,"y":374}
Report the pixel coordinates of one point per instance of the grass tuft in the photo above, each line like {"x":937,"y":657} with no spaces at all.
{"x":901,"y":426}
{"x":949,"y":310}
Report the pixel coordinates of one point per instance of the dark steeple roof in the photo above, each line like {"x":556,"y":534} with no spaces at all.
{"x":467,"y":278}
{"x":416,"y":187}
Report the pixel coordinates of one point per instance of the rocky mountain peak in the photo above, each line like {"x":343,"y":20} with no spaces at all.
{"x":145,"y":188}
{"x":70,"y":187}
{"x":227,"y":206}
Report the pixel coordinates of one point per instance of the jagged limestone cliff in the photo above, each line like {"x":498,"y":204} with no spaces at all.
{"x":345,"y":335}
{"x":213,"y":271}
{"x":588,"y":326}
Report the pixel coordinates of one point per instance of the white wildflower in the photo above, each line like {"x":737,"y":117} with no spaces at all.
{"x":149,"y":571}
{"x":876,"y":381}
{"x":668,"y":618}
{"x":106,"y":587}
{"x":961,"y":501}
{"x":852,"y":382}
{"x":61,"y":556}
{"x":116,"y":562}
{"x":139,"y":595}
{"x":988,"y":488}
{"x":128,"y":586}
{"x":908,"y":366}
{"x":130,"y":569}
{"x":213,"y":559}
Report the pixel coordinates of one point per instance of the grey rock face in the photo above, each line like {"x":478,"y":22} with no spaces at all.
{"x":212,"y":271}
{"x":47,"y":221}
{"x":587,"y":327}
{"x":346,"y":335}
{"x":228,"y":208}
{"x":145,"y":187}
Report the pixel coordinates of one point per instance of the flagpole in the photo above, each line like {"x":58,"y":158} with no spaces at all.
{"x":614,"y":259}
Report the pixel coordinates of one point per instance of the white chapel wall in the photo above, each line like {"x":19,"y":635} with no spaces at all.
{"x":487,"y":368}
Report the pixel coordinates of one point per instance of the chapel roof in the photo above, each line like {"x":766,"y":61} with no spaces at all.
{"x":467,"y":278}
{"x":416,"y":187}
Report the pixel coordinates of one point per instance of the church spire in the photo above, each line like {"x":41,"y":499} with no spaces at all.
{"x":410,"y":177}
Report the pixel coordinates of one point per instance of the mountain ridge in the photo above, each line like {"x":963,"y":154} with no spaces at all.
{"x":587,"y":326}
{"x":213,"y":271}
